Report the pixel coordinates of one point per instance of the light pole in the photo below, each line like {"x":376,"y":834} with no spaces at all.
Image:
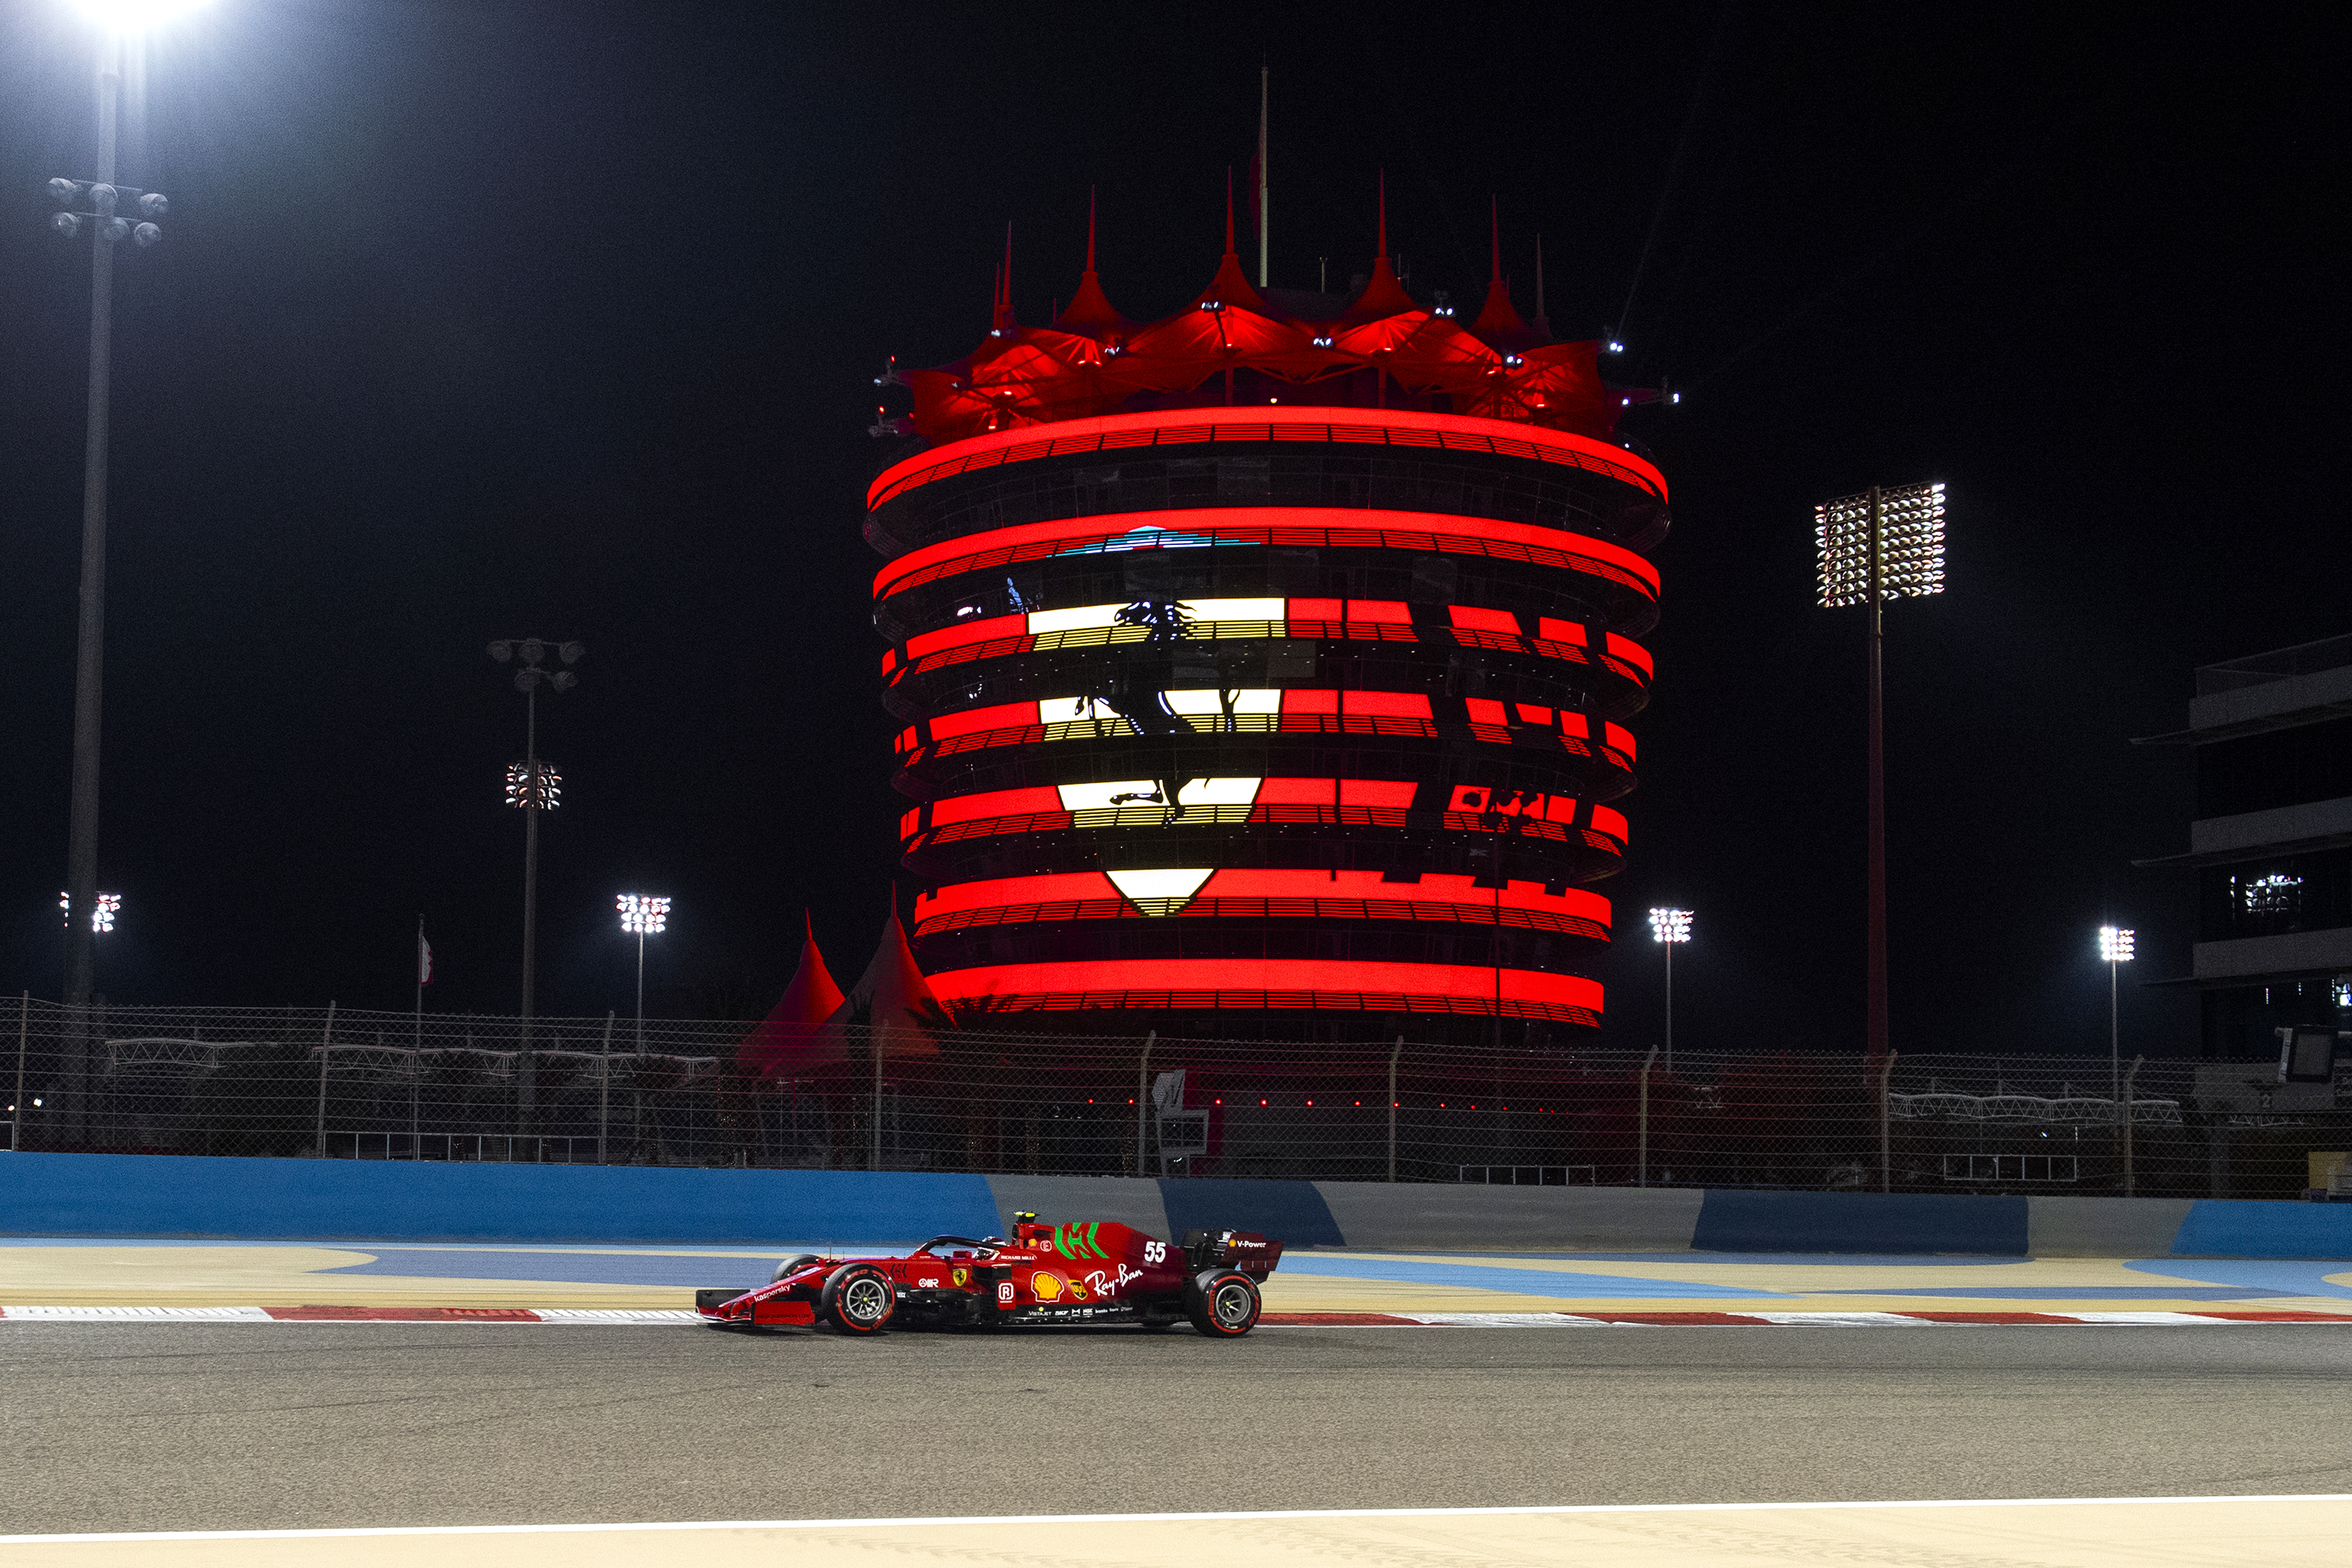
{"x":97,"y":203}
{"x":1880,"y":545}
{"x":534,"y":787}
{"x":645,"y":916}
{"x":1670,"y":928}
{"x":2116,"y":945}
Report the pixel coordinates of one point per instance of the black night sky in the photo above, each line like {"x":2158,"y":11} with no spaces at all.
{"x":504,"y":319}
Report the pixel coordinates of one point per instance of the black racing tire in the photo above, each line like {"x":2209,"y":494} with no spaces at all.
{"x":857,"y":1298}
{"x":793,"y":1265}
{"x":1222,"y":1302}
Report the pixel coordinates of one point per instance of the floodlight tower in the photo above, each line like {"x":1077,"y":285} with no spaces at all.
{"x":1880,"y":545}
{"x":643,"y":916}
{"x":1670,"y":928}
{"x":533,"y":786}
{"x":2116,"y":948}
{"x":101,"y":204}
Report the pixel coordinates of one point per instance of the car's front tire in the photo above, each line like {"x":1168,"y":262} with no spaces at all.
{"x":857,"y":1298}
{"x":791,"y":1265}
{"x":1222,"y":1303}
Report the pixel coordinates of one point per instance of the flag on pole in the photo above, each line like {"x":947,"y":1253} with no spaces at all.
{"x":423,"y":956}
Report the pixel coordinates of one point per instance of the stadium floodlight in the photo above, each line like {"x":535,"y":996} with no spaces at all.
{"x":2116,"y":945}
{"x":1879,"y":545}
{"x":137,"y":15}
{"x":643,"y":916}
{"x":1670,"y":928}
{"x":534,"y":785}
{"x":1895,"y":537}
{"x":102,"y":914}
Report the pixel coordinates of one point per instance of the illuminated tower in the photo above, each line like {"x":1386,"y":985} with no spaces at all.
{"x":1265,"y":670}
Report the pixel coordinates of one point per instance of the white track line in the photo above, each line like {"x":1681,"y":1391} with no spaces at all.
{"x":981,"y":1518}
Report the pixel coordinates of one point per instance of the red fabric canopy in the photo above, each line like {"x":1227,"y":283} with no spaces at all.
{"x":1093,"y":361}
{"x":787,"y":1037}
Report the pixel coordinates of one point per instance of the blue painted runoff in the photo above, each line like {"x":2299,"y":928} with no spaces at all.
{"x":176,"y":1195}
{"x":2285,"y":1279}
{"x":1290,"y":1212}
{"x":1515,"y":1281}
{"x":2077,"y":1293}
{"x":2239,"y":1228}
{"x":1778,"y":1259}
{"x":1883,"y":1223}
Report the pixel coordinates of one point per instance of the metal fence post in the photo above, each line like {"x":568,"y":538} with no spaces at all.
{"x":2126,"y":1108}
{"x":1142,"y":1097}
{"x":878,"y":1041}
{"x":1641,"y":1167}
{"x":605,"y":1087}
{"x":17,"y":1106}
{"x":1886,"y":1158}
{"x":1397,"y":1050}
{"x":326,"y":1042}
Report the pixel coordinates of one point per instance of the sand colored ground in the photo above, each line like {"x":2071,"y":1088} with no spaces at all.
{"x":152,"y":1275}
{"x":2175,"y":1533}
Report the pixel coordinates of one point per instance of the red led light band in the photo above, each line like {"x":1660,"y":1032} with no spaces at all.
{"x":1339,"y":528}
{"x":1346,"y":984}
{"x":1418,"y":911}
{"x":1259,"y":894}
{"x":1458,"y":433}
{"x":998,"y":636}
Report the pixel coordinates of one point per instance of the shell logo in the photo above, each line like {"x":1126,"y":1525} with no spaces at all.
{"x":1046,"y":1287}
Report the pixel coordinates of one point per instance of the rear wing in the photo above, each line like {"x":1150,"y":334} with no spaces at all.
{"x":1245,"y":1250}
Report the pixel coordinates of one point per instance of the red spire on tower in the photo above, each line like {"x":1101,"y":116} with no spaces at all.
{"x":1498,"y":322}
{"x":1091,"y":312}
{"x":1229,"y":210}
{"x":1383,"y":295}
{"x":1005,"y":285}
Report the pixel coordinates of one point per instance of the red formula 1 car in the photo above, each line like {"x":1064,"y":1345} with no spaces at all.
{"x":1096,"y":1272}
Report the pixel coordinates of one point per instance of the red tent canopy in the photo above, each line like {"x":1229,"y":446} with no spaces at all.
{"x":1093,"y":361}
{"x":787,"y":1037}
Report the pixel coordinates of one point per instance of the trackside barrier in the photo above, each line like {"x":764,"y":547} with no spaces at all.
{"x":169,"y":1195}
{"x":230,"y":1197}
{"x":1862,"y":1222}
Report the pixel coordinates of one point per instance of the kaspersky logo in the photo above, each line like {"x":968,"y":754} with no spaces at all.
{"x":1077,"y":1242}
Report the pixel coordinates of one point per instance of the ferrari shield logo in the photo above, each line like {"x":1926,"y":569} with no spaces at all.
{"x":961,"y":1277}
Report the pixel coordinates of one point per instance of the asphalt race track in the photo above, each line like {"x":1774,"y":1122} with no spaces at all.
{"x":195,"y":1427}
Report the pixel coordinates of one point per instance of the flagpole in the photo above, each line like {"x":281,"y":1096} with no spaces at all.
{"x":1264,"y":180}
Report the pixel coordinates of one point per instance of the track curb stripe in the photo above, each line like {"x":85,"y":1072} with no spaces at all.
{"x":633,"y":1317}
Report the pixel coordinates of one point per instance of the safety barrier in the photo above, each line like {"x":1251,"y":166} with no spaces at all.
{"x":164,"y":1195}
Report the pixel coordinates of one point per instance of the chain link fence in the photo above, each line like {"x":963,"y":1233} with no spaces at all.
{"x":342,"y":1084}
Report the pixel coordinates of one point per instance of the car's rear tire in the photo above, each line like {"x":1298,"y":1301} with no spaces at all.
{"x":857,"y":1298}
{"x":791,"y":1265}
{"x":1222,"y":1302}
